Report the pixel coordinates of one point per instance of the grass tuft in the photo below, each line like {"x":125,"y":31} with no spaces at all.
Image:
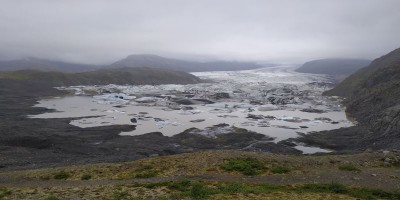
{"x":51,"y":197}
{"x":349,"y":167}
{"x":280,"y":170}
{"x":4,"y":192}
{"x":86,"y":177}
{"x":202,"y":190}
{"x":247,"y":166}
{"x":61,"y":175}
{"x":120,"y":195}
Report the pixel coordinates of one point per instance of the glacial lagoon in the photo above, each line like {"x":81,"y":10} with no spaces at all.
{"x":274,"y":101}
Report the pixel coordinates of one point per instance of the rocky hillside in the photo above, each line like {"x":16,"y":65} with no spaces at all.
{"x":136,"y":76}
{"x":373,"y":99}
{"x":181,"y":65}
{"x":339,"y":68}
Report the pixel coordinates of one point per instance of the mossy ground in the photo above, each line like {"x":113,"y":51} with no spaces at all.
{"x":214,"y":175}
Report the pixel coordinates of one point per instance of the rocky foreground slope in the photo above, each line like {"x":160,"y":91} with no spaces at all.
{"x":373,"y":100}
{"x":215,"y":175}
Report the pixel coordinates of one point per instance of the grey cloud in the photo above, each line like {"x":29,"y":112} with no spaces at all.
{"x":101,"y":31}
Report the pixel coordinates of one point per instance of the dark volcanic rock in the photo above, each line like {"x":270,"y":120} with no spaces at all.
{"x":234,"y":138}
{"x":342,"y":140}
{"x":251,"y":116}
{"x":274,"y":148}
{"x":221,"y":95}
{"x":197,"y":120}
{"x":205,"y":101}
{"x":312,"y":110}
{"x":134,"y":120}
{"x":184,"y":102}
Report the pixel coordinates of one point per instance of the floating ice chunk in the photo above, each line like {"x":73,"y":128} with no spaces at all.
{"x":146,"y":99}
{"x":315,"y":122}
{"x":285,"y":117}
{"x":113,"y":98}
{"x":166,"y":122}
{"x":114,"y":111}
{"x":213,"y":132}
{"x":189,"y":112}
{"x":230,"y":105}
{"x":268,"y":107}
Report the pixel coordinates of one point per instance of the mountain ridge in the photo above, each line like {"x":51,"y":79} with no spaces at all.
{"x":150,"y":60}
{"x":44,"y":65}
{"x":135,"y":76}
{"x":339,"y":68}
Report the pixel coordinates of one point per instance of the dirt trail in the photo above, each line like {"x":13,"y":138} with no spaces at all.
{"x":371,"y":178}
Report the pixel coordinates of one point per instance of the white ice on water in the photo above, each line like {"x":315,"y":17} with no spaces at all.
{"x":116,"y":104}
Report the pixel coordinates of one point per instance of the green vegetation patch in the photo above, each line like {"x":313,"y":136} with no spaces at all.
{"x":362,"y":193}
{"x":349,"y":167}
{"x":86,"y":177}
{"x":146,"y":171}
{"x":280,"y":170}
{"x":51,"y":197}
{"x":141,"y":171}
{"x":4,"y":192}
{"x":148,"y":174}
{"x":61,"y":175}
{"x":204,"y":190}
{"x":120,"y":195}
{"x":247,"y":166}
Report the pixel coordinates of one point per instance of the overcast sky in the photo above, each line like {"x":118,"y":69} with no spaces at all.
{"x":290,"y":31}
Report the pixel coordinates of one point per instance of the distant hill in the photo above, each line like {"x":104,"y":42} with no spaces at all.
{"x":336,"y":67}
{"x":44,"y":65}
{"x":134,"y":76}
{"x":382,"y":71}
{"x":181,"y":65}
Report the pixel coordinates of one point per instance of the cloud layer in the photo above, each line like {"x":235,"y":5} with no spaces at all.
{"x":101,"y":31}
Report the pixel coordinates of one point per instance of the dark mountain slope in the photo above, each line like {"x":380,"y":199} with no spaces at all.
{"x":337,"y":67}
{"x":380,"y":71}
{"x":373,"y":99}
{"x":44,"y":65}
{"x":181,"y":65}
{"x":135,"y":76}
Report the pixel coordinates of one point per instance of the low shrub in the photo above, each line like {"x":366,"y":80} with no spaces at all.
{"x":247,"y":166}
{"x":61,"y":175}
{"x":51,"y":197}
{"x":349,"y":167}
{"x":86,"y":177}
{"x":148,"y":174}
{"x":280,"y":170}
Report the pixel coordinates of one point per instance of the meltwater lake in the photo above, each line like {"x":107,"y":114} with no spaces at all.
{"x":274,"y":101}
